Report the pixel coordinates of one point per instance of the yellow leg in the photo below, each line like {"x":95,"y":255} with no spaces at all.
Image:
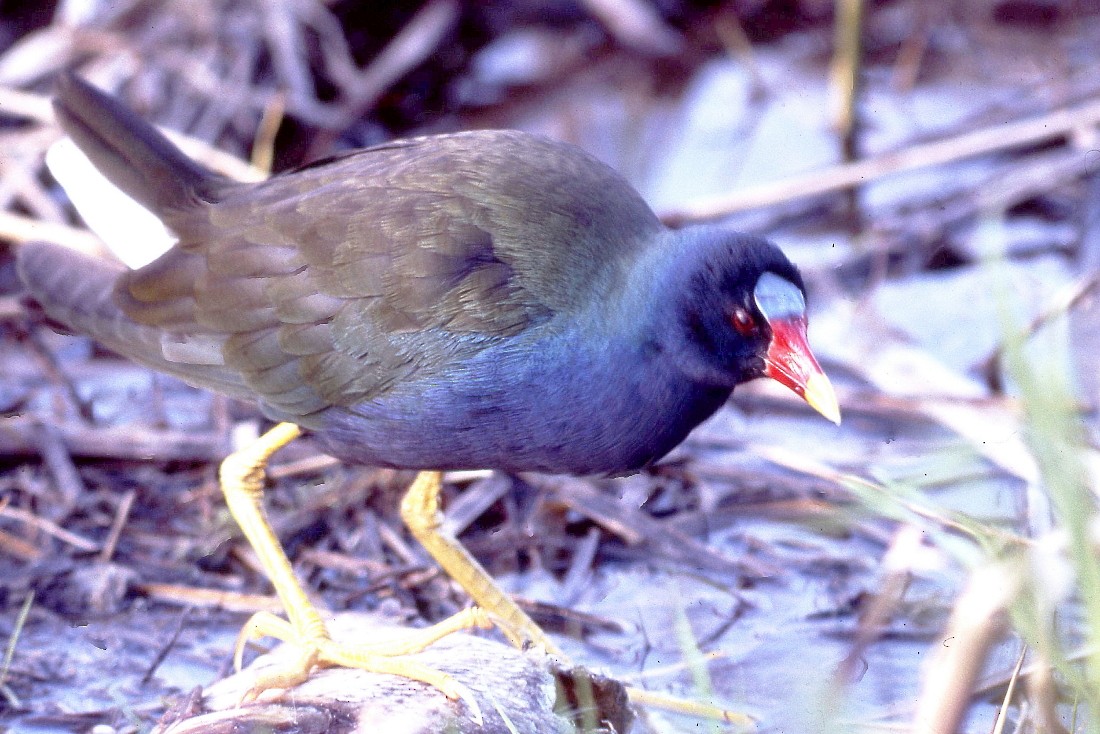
{"x":242,"y":475}
{"x":421,"y":513}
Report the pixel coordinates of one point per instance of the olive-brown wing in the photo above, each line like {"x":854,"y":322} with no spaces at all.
{"x":322,"y":288}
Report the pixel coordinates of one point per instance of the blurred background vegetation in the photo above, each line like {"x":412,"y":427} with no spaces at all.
{"x":930,"y":566}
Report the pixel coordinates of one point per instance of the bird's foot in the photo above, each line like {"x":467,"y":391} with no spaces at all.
{"x":315,"y":648}
{"x":422,"y":516}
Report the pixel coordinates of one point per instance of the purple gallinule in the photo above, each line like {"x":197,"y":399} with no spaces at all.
{"x":486,"y":299}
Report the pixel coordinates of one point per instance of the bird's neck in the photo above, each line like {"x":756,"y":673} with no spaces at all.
{"x":652,"y":310}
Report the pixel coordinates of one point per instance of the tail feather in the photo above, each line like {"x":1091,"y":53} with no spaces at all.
{"x":78,"y":291}
{"x":130,"y":152}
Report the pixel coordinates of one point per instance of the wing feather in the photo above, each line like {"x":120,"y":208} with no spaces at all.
{"x":332,"y":284}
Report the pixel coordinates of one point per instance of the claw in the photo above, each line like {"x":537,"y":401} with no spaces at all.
{"x":316,"y":649}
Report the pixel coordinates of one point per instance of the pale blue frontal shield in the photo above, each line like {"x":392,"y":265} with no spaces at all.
{"x":778,"y":298}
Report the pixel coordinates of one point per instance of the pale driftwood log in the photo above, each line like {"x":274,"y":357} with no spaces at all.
{"x":516,"y":691}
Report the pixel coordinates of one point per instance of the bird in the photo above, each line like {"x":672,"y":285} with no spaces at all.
{"x":486,"y":299}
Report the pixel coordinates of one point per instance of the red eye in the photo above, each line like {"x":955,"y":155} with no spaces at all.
{"x":743,"y":322}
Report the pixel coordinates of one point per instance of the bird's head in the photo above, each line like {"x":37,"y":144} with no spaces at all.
{"x":742,"y":315}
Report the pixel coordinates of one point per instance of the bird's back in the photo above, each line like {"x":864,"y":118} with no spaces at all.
{"x":333,"y":283}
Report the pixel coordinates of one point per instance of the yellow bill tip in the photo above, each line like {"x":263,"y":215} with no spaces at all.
{"x":821,"y":397}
